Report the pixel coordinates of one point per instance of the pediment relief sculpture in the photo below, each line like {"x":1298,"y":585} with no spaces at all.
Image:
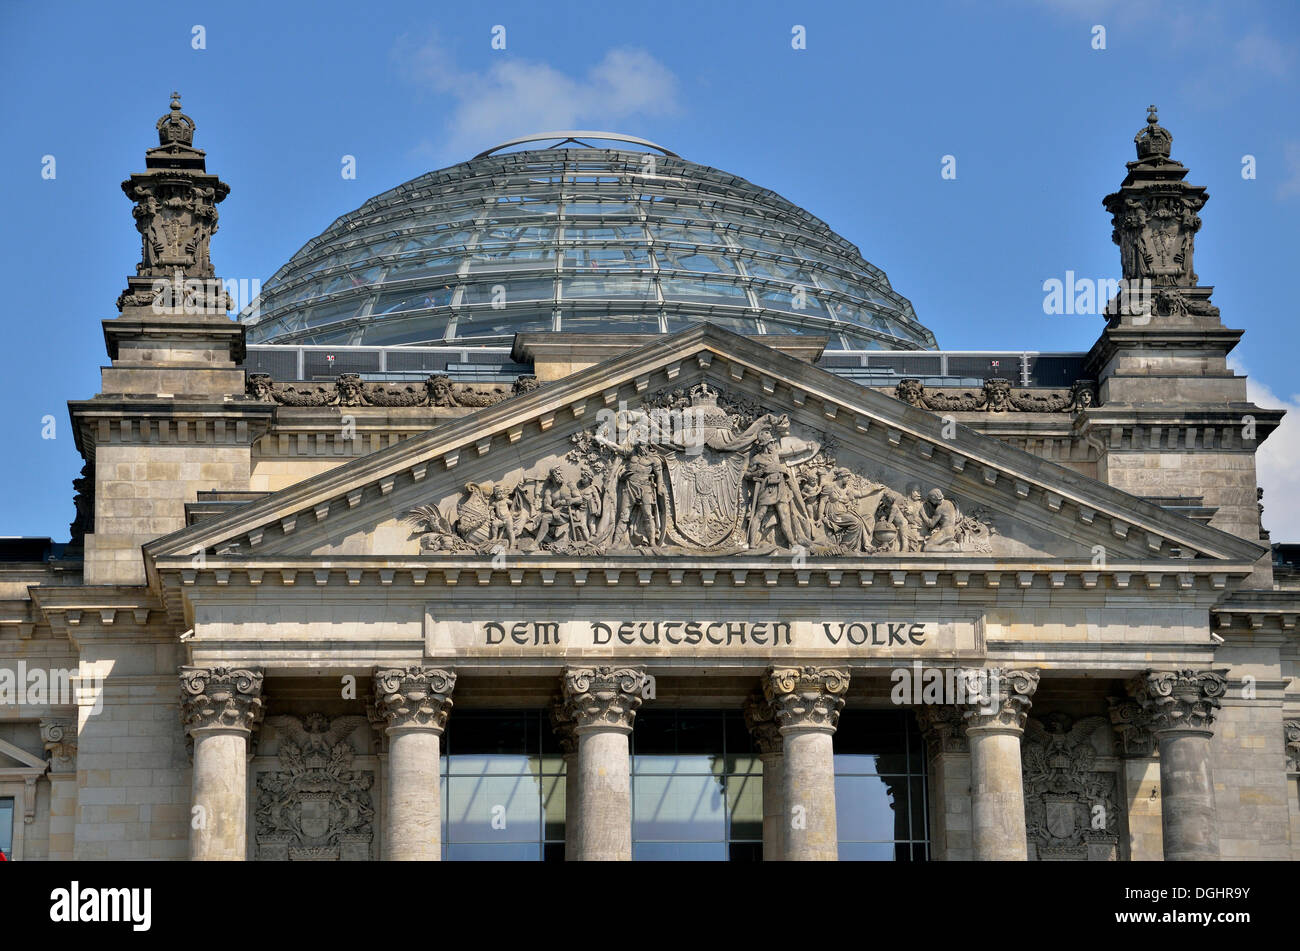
{"x":698,"y":472}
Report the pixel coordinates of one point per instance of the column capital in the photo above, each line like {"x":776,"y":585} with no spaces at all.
{"x":806,"y":698}
{"x":761,"y":721}
{"x":221,"y":698}
{"x":1132,"y":727}
{"x":59,"y":734}
{"x":1003,"y":701}
{"x":413,"y":697}
{"x":1291,"y":735}
{"x":604,"y":698}
{"x":1178,"y":701}
{"x":941,"y":727}
{"x":564,"y":726}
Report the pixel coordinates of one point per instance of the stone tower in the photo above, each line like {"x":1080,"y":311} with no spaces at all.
{"x":1174,"y":420}
{"x":171,"y":417}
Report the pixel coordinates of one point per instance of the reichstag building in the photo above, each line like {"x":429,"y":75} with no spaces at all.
{"x":582,"y":502}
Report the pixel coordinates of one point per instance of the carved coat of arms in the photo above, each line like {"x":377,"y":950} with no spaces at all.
{"x":698,"y":472}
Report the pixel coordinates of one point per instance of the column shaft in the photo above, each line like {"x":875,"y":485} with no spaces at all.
{"x":999,"y":704}
{"x":1179,"y":707}
{"x":413,"y":796}
{"x":219,"y":828}
{"x":774,"y":820}
{"x":600,"y":704}
{"x":1187,"y":806}
{"x":414,"y":702}
{"x":997,"y":796}
{"x":810,"y":832}
{"x":572,"y":811}
{"x":605,"y":829}
{"x":806,"y":703}
{"x":220,"y":707}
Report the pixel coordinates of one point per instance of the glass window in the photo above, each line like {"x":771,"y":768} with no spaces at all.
{"x":696,"y":787}
{"x":508,"y":290}
{"x":7,"y":827}
{"x":880,"y":795}
{"x":423,"y":265}
{"x":608,"y":287}
{"x":511,"y":259}
{"x":682,"y":259}
{"x":740,"y":325}
{"x":703,"y":291}
{"x":609,"y":322}
{"x":585,"y":257}
{"x":414,"y":298}
{"x":502,"y":788}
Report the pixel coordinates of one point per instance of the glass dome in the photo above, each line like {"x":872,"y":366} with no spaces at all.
{"x":576,"y":238}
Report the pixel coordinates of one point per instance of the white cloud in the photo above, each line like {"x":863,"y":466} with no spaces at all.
{"x":516,"y":97}
{"x":1263,"y":52}
{"x":1278,"y":461}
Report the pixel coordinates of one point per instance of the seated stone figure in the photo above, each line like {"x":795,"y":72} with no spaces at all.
{"x":943,"y":519}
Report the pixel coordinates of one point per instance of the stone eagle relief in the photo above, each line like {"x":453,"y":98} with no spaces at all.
{"x":699,"y":473}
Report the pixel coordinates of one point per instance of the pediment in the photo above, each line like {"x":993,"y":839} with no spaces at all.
{"x":704,"y":444}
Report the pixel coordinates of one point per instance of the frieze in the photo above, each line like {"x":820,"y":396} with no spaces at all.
{"x":1071,"y":809}
{"x":349,"y":389}
{"x":315,"y":806}
{"x":997,"y":396}
{"x":764,"y":637}
{"x":699,"y":472}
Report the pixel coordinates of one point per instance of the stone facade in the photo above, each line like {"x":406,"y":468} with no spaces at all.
{"x":281,"y":593}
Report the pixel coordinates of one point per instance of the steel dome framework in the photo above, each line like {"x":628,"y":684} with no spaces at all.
{"x":581,"y":239}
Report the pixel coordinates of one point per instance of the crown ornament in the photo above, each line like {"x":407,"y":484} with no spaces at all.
{"x":176,"y":128}
{"x":1154,"y":141}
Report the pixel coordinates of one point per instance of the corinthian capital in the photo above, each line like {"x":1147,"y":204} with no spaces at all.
{"x":760,"y":719}
{"x":942,"y":728}
{"x":563,"y":726}
{"x":221,"y":698}
{"x":806,"y":698}
{"x":1178,"y":700}
{"x":1132,"y":727}
{"x":1291,"y":732}
{"x":604,"y":696}
{"x":59,"y":734}
{"x":413,"y":696}
{"x":1000,"y":699}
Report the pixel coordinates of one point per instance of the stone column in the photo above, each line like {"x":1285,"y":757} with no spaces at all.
{"x":948,"y":778}
{"x":60,"y":737}
{"x":807,"y":703}
{"x":760,"y":717}
{"x":414,"y":703}
{"x":602,"y":702}
{"x":1179,"y":706}
{"x":220,"y":708}
{"x":1136,"y":749}
{"x":563,"y":725}
{"x":995,"y":722}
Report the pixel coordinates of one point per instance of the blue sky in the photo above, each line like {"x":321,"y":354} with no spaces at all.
{"x":854,"y":128}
